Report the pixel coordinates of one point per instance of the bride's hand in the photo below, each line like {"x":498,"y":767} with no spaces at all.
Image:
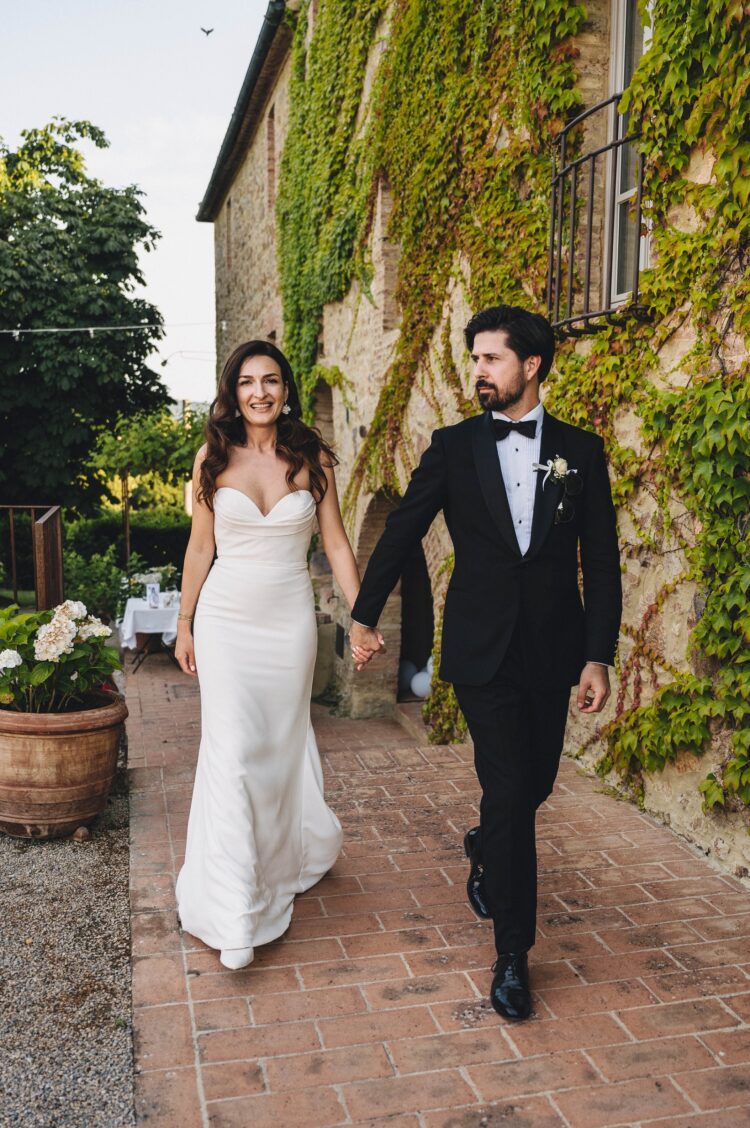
{"x":184,"y":651}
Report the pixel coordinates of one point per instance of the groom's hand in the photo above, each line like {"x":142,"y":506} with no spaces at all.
{"x":593,"y":688}
{"x":365,"y":641}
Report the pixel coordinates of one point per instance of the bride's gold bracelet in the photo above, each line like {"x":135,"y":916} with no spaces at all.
{"x":188,"y":617}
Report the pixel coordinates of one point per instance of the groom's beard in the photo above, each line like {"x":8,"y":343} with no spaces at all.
{"x":490,"y":399}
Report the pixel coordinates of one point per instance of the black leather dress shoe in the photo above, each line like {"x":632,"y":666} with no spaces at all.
{"x":510,"y":994}
{"x":475,"y":884}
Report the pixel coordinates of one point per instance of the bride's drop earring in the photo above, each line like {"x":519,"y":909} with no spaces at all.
{"x":286,"y":409}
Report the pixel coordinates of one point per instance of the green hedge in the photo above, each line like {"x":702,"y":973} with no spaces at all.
{"x":159,"y":536}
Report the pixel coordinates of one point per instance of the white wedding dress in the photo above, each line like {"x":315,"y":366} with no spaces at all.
{"x":259,"y":829}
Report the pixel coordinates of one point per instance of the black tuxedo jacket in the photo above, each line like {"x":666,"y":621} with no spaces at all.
{"x":493,"y":586}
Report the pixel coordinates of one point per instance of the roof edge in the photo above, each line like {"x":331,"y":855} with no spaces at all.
{"x":227,"y":161}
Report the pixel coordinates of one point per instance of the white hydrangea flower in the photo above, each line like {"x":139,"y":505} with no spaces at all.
{"x":9,"y":659}
{"x":55,"y":639}
{"x":72,"y":609}
{"x":93,"y":628}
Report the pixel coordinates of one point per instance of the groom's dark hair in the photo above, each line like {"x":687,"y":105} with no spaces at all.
{"x":528,"y":334}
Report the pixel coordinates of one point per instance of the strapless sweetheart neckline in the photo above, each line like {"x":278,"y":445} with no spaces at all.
{"x":291,"y":493}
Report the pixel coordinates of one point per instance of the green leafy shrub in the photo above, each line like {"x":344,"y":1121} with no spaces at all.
{"x":54,"y":661}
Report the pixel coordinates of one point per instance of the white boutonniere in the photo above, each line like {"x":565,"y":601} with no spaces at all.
{"x":556,"y":469}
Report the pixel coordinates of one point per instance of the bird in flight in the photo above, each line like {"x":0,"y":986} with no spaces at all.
{"x":206,"y":30}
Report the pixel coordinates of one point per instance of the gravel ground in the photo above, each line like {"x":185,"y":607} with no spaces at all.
{"x":66,"y":1048}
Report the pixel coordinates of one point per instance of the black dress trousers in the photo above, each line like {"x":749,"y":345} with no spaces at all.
{"x":518,"y":730}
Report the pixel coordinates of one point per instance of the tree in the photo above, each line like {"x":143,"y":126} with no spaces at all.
{"x":68,"y":258}
{"x":147,"y":443}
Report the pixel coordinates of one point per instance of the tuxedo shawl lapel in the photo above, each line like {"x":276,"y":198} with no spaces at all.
{"x":546,"y":497}
{"x":491,"y":480}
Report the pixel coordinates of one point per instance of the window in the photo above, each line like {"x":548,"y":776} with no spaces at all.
{"x":229,"y":233}
{"x":596,"y":246}
{"x":271,"y":157}
{"x":628,"y":45}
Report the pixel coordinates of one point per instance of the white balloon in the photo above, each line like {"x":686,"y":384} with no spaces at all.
{"x":430,"y":664}
{"x":420,"y":684}
{"x":406,"y":671}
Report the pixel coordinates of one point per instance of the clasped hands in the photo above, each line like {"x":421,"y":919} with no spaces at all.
{"x":365,"y":641}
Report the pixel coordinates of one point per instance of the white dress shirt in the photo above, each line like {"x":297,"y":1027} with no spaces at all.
{"x":517,"y":455}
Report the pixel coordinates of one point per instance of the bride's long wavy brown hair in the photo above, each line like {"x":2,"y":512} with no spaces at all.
{"x":299,"y":445}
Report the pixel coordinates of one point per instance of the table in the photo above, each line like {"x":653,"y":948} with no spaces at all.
{"x":139,"y":618}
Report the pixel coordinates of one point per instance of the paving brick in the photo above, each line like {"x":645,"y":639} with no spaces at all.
{"x":445,"y":1051}
{"x":650,"y":936}
{"x":318,"y":1106}
{"x":478,"y":957}
{"x":158,"y":979}
{"x":740,"y":1005}
{"x":725,"y":1087}
{"x":733,"y":1047}
{"x":542,"y":1036}
{"x":221,"y":1014}
{"x":601,"y":969}
{"x":531,"y":1112}
{"x":220,"y":984}
{"x":740,"y":1118}
{"x":567,"y":1002}
{"x":164,"y":1037}
{"x":403,"y":940}
{"x":691,"y":1017}
{"x":390,"y":1096}
{"x":423,"y":988}
{"x":624,"y":1103}
{"x":671,"y":986}
{"x":723,"y":927}
{"x":711,"y":954}
{"x":328,"y":1067}
{"x":232,"y":1079}
{"x":544,"y":1073}
{"x":333,"y":926}
{"x":154,"y":933}
{"x":689,"y":908}
{"x":370,"y":969}
{"x":168,"y":1097}
{"x":651,"y":1058}
{"x":323,"y":1003}
{"x":287,"y":952}
{"x":258,"y":1041}
{"x":377,"y":1027}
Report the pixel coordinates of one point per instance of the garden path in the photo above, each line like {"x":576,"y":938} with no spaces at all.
{"x":372,"y":1009}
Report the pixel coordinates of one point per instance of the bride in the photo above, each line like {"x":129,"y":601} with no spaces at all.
{"x":259,"y":829}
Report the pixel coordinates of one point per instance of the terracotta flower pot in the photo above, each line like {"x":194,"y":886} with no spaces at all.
{"x":56,"y":769}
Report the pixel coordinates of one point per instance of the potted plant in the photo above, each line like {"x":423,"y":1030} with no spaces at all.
{"x":60,"y":719}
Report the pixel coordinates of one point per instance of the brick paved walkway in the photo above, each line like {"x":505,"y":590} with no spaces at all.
{"x":372,"y":1011}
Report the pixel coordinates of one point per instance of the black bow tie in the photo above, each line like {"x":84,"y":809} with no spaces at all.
{"x":503,"y":428}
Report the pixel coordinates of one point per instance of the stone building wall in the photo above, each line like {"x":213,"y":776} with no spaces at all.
{"x":248,"y":302}
{"x":358,"y":337}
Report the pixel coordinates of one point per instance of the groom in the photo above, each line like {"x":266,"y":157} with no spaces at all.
{"x":523,"y":494}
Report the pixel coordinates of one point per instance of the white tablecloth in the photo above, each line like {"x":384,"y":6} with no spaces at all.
{"x":139,"y":618}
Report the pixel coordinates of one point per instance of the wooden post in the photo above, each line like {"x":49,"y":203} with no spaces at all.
{"x":48,"y":560}
{"x":126,"y":514}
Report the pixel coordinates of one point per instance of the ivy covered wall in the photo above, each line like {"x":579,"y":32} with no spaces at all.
{"x":452,"y":105}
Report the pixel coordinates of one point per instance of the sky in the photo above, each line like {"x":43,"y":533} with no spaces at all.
{"x":163,"y":92}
